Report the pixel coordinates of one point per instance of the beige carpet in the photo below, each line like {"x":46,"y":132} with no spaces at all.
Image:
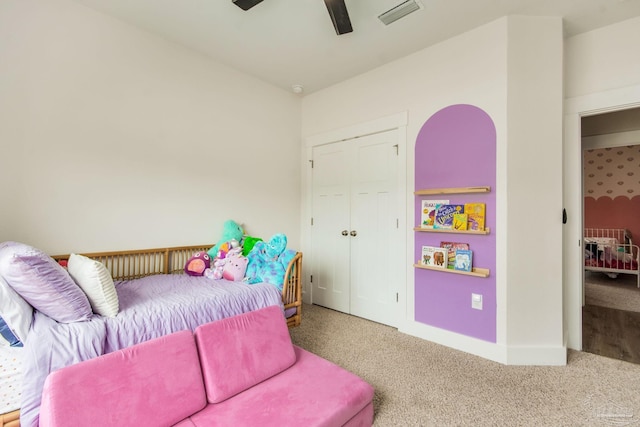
{"x":621,"y":293}
{"x":419,"y":383}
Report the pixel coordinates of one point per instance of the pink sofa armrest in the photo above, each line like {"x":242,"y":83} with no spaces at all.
{"x":157,"y":382}
{"x":238,"y":352}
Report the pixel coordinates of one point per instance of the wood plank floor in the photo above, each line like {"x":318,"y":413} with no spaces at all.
{"x":611,"y":333}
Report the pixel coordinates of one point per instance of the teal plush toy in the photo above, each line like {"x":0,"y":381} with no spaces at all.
{"x":268,"y":261}
{"x":231,"y":230}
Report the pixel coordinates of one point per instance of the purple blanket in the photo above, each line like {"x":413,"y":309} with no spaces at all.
{"x":149,"y":307}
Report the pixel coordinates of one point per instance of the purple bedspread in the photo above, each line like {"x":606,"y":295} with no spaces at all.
{"x":149,"y":307}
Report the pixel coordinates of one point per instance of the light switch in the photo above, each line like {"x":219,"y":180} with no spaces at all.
{"x":476,"y":301}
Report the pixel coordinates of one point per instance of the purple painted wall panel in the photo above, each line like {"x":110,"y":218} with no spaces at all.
{"x":456,"y":147}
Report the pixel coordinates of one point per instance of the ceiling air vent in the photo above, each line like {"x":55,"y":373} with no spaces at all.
{"x":399,"y":11}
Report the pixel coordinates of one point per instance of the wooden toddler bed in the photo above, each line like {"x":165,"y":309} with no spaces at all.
{"x":128,"y":265}
{"x":611,"y":251}
{"x":132,"y":267}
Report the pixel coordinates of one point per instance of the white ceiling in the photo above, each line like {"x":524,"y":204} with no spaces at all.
{"x":289,"y":42}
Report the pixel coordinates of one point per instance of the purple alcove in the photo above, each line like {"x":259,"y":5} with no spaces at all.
{"x":456,"y":147}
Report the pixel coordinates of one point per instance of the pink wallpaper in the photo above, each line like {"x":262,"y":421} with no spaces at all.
{"x":612,"y":188}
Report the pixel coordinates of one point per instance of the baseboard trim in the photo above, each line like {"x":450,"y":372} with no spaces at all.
{"x":507,"y":355}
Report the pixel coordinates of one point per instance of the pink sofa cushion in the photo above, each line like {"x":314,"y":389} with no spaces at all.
{"x":241,"y":351}
{"x":157,"y":382}
{"x":312,"y":392}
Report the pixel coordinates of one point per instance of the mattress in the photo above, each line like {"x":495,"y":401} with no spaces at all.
{"x":10,"y":378}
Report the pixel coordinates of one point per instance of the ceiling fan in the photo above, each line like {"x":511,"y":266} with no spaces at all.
{"x":340,"y":16}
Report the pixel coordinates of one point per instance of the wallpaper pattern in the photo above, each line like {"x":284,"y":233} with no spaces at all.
{"x":612,"y":172}
{"x":612,"y":188}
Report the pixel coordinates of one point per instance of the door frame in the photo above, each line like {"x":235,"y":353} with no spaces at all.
{"x":396,"y":121}
{"x":573,"y":270}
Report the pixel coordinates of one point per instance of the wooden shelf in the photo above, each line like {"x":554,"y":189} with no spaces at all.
{"x":476,"y":272}
{"x":458,"y":190}
{"x":445,"y":230}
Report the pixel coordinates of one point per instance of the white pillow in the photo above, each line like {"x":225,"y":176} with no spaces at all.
{"x":96,"y":282}
{"x":15,"y":311}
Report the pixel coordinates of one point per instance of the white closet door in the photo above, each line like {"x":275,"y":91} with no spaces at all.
{"x":374,"y":207}
{"x":355,"y":238}
{"x":330,"y":266}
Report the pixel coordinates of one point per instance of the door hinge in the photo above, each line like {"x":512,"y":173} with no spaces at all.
{"x":311,"y":278}
{"x":397,"y":297}
{"x":311,"y":161}
{"x":397,"y":149}
{"x":311,"y":220}
{"x":397,"y":222}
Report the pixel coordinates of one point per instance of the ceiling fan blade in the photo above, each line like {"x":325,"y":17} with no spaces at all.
{"x":339,"y":16}
{"x":246,"y":4}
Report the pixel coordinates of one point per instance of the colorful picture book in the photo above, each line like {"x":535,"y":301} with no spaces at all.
{"x":428,"y":213}
{"x":463,"y":260}
{"x":444,"y":216}
{"x":460,"y":221}
{"x":475,"y":215}
{"x":434,"y":257}
{"x":452,"y":247}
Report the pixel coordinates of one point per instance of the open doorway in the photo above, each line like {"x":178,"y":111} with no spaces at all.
{"x":611,"y":234}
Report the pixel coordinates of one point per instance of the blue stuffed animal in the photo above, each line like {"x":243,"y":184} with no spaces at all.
{"x":231,"y":230}
{"x":268,"y":261}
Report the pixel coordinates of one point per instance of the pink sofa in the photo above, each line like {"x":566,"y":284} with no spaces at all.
{"x":240,"y":371}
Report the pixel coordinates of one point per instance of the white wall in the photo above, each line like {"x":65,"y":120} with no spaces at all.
{"x":533,"y":302}
{"x":472,"y":68}
{"x":604,"y":59}
{"x":601,"y":74}
{"x":114,"y":138}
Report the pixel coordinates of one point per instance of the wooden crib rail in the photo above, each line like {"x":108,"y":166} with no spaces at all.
{"x":292,"y":289}
{"x":10,"y":419}
{"x":134,"y":264}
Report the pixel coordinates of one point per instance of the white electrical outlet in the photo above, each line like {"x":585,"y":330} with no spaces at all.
{"x":476,"y":301}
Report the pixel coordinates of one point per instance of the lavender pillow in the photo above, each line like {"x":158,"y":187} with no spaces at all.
{"x":43,"y":283}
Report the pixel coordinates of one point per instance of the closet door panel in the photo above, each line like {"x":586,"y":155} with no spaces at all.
{"x":373,"y":220}
{"x":330,"y":247}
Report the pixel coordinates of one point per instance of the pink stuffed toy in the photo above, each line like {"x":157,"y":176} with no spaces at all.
{"x":219,"y":263}
{"x":235,"y":267}
{"x":197,"y":264}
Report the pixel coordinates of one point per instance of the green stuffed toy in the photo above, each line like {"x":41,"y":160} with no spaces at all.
{"x":248,"y":243}
{"x":231,"y":230}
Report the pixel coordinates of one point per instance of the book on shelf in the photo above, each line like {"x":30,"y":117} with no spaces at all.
{"x":452,"y":247}
{"x":444,"y":216}
{"x":463,"y":260}
{"x":434,"y":257}
{"x":460,"y":221}
{"x":428,"y":213}
{"x":475,"y":215}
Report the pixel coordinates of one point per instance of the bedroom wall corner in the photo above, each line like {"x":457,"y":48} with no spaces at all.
{"x":125,"y":140}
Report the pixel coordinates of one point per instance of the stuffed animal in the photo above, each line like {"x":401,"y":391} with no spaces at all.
{"x":248,"y":243}
{"x":197,"y":264}
{"x":235,"y":267}
{"x":226,"y":247}
{"x":268,"y":261}
{"x":220,"y":263}
{"x":230,"y":231}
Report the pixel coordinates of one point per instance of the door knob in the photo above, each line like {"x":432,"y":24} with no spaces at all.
{"x":345,"y":233}
{"x":353,"y":233}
